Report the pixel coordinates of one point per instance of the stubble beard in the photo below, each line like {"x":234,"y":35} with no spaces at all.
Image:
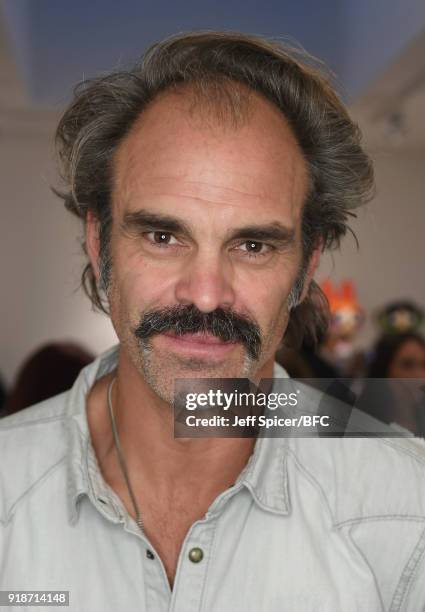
{"x":160,"y":371}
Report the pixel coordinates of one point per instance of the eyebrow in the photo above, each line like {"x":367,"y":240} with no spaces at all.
{"x":271,"y":232}
{"x":142,"y":220}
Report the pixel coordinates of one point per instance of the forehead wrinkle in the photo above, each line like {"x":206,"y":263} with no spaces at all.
{"x":233,"y":200}
{"x":197,"y":190}
{"x":205,"y":191}
{"x":133,"y":172}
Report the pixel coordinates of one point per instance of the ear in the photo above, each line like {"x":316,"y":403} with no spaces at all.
{"x":311,"y":269}
{"x":92,"y":241}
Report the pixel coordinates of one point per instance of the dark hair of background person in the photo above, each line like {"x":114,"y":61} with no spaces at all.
{"x":221,"y":70}
{"x":48,"y":371}
{"x":378,"y":398}
{"x":386,"y":349}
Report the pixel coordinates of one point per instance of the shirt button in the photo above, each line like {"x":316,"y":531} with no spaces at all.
{"x":196,"y":554}
{"x":150,"y":554}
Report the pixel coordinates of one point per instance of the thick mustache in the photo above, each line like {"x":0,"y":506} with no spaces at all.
{"x":224,"y":324}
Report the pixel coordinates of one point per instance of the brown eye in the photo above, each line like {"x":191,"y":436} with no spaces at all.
{"x":254,"y":247}
{"x":161,"y":237}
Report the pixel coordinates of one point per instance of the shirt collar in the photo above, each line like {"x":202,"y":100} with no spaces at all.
{"x":265,"y":474}
{"x":84,"y":476}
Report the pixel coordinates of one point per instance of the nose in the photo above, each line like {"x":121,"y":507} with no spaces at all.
{"x":206,"y":282}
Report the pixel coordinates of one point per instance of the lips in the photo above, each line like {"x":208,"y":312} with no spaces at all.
{"x":198,"y":338}
{"x":201,"y":345}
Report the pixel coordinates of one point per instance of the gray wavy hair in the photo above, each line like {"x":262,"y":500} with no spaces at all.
{"x":224,"y":64}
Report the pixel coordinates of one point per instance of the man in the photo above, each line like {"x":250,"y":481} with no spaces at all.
{"x":208,"y":179}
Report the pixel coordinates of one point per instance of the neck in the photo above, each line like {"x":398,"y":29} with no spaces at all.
{"x":154,"y":458}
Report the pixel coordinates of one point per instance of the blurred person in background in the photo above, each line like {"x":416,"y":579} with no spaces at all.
{"x":48,"y":371}
{"x":398,"y":356}
{"x":208,"y":180}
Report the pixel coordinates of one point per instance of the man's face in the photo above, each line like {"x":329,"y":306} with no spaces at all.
{"x":206,"y":219}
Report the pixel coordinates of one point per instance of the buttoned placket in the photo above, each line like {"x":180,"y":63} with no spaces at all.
{"x":194,"y":556}
{"x":107,"y":502}
{"x":192,"y":567}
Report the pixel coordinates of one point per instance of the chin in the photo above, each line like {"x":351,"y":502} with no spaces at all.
{"x":161,"y":371}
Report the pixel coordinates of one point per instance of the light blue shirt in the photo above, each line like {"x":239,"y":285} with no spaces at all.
{"x":311,"y":524}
